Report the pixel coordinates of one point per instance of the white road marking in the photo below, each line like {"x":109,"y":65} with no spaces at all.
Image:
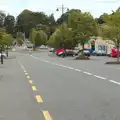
{"x":22,"y":66}
{"x":34,"y":57}
{"x":87,"y":73}
{"x":78,"y":70}
{"x":114,"y":82}
{"x":99,"y":77}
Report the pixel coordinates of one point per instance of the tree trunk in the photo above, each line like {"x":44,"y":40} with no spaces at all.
{"x":7,"y":51}
{"x":82,"y":49}
{"x":1,"y":56}
{"x":118,"y":53}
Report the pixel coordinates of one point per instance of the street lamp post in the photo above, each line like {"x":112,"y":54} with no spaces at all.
{"x":62,"y":8}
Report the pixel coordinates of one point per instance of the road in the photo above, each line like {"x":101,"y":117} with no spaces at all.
{"x":51,"y":88}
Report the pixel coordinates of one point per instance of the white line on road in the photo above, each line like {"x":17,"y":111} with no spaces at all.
{"x":78,"y":70}
{"x":88,"y":73}
{"x":99,"y":77}
{"x":34,"y":57}
{"x":22,"y":66}
{"x":114,"y":82}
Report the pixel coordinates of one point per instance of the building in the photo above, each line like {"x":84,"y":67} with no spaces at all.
{"x":99,"y":44}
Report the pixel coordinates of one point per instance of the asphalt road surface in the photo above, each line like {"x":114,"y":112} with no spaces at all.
{"x":40,"y":87}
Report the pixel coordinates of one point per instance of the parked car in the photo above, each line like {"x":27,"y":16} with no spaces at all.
{"x":51,"y":49}
{"x":115,"y":53}
{"x":60,"y":52}
{"x":99,"y":53}
{"x":69,"y":52}
{"x":86,"y":52}
{"x":94,"y":53}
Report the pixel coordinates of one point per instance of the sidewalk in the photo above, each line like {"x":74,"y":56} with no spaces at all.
{"x":16,"y":98}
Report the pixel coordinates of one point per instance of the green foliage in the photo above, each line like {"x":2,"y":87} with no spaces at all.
{"x":62,"y":38}
{"x":80,"y":27}
{"x":64,"y":17}
{"x":19,"y":41}
{"x":32,"y":35}
{"x":28,"y":20}
{"x":9,"y":23}
{"x":42,"y":37}
{"x":7,"y":38}
{"x":111,"y":28}
{"x":38,"y":40}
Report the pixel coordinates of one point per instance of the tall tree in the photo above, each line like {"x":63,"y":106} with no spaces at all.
{"x":28,"y":20}
{"x":38,"y":40}
{"x":2,"y":17}
{"x":64,"y":17}
{"x":82,"y":24}
{"x":62,"y":38}
{"x":111,"y":28}
{"x":9,"y":24}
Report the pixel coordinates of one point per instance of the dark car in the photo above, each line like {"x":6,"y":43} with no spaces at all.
{"x":69,"y":52}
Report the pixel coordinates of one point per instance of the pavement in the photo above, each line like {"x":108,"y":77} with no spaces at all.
{"x":41,"y":87}
{"x":17,"y":101}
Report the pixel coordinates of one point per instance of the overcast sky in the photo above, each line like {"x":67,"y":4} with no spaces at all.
{"x":95,"y":7}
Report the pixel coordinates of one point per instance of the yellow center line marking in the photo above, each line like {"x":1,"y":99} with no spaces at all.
{"x":30,"y":81}
{"x":28,"y":77}
{"x":39,"y":99}
{"x":26,"y":73}
{"x":47,"y":115}
{"x":34,"y":88}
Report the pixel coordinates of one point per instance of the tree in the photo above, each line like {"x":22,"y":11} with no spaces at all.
{"x":2,"y":17}
{"x":111,"y":28}
{"x":9,"y":24}
{"x":49,"y":27}
{"x":33,"y":33}
{"x":38,"y":41}
{"x":19,"y":41}
{"x":64,"y":17}
{"x":7,"y":39}
{"x":62,"y":38}
{"x":83,"y":26}
{"x":43,"y":36}
{"x":28,"y":20}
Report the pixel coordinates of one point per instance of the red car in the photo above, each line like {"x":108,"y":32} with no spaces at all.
{"x":114,"y":52}
{"x":59,"y":52}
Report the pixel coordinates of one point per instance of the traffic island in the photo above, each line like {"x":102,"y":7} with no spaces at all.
{"x":113,"y":62}
{"x":82,"y":57}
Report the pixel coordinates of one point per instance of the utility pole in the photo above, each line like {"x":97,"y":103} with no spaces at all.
{"x":62,"y":9}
